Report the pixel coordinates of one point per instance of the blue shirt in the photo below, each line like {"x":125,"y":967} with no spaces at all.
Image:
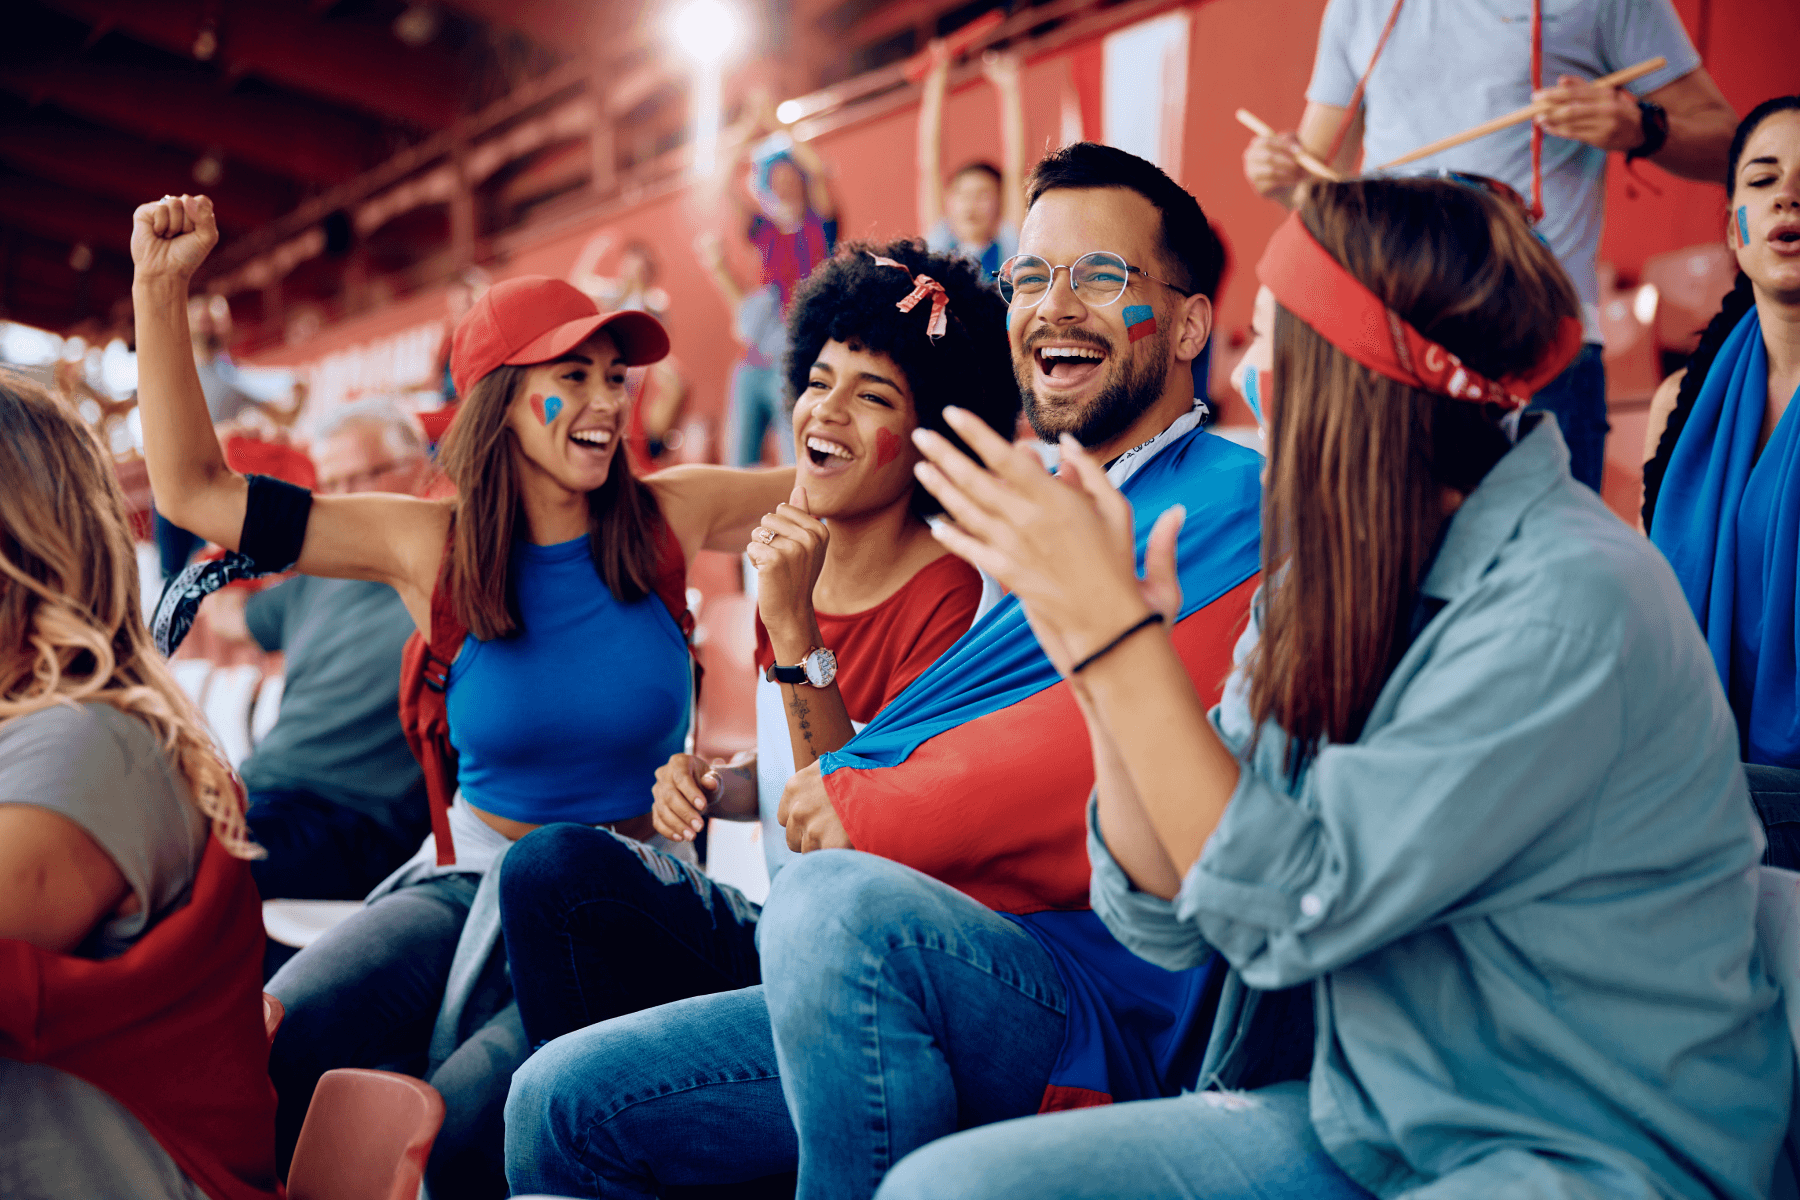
{"x":1525,"y":897}
{"x":1451,"y":64}
{"x":569,"y":720}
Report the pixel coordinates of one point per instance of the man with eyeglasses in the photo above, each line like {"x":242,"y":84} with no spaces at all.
{"x":336,"y":797}
{"x":946,"y":971}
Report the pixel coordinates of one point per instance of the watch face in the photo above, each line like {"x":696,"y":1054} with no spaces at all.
{"x":821,"y":667}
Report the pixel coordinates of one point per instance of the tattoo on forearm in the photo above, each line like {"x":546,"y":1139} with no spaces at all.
{"x":801,"y":711}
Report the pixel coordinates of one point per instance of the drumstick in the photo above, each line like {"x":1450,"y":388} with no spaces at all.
{"x":1257,"y":125}
{"x":1523,"y":114}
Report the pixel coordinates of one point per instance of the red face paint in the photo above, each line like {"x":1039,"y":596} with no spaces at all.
{"x":537,"y":408}
{"x":887,"y":447}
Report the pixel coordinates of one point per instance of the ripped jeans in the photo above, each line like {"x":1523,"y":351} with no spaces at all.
{"x":1255,"y":1145}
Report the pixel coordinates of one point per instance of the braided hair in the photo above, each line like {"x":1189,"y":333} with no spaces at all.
{"x":1740,"y":300}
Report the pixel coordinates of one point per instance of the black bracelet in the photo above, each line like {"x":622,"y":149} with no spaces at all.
{"x":1150,"y":619}
{"x":1656,"y":130}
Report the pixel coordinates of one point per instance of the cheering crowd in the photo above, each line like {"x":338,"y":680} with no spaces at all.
{"x":1377,"y":815}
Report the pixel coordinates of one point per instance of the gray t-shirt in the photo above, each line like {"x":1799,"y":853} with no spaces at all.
{"x":339,"y":734}
{"x":1452,"y":64}
{"x":107,"y":772}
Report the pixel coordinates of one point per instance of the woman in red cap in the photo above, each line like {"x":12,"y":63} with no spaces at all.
{"x":572,"y":686}
{"x":1468,"y":826}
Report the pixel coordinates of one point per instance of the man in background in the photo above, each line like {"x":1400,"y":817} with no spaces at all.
{"x":336,"y":797}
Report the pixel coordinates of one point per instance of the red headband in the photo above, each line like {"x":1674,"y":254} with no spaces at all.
{"x":1315,"y":287}
{"x":923,"y":286}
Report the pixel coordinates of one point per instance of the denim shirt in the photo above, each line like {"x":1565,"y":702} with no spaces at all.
{"x":1525,"y":896}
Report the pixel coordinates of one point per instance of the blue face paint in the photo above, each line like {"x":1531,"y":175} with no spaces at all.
{"x":552,"y":406}
{"x":1140,"y":321}
{"x":1743,"y":226}
{"x":1253,"y":392}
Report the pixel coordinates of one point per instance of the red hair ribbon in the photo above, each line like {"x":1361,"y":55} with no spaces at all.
{"x":923,"y":286}
{"x":1315,"y":287}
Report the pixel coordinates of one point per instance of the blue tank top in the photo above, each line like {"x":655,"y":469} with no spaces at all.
{"x":569,"y":720}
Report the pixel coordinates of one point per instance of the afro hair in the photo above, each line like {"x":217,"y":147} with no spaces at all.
{"x":851,"y":298}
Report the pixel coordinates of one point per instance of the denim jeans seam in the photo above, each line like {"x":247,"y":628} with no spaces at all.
{"x":1009,"y":978}
{"x":874,"y":1079}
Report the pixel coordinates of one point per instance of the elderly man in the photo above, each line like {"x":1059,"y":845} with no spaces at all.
{"x":336,"y":798}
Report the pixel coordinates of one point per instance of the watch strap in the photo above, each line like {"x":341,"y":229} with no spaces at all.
{"x":780,"y":674}
{"x":1656,"y":130}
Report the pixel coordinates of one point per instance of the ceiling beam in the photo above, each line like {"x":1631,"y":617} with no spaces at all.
{"x":127,"y":169}
{"x":565,"y":26}
{"x":361,"y":65}
{"x":289,"y":136}
{"x":53,"y":211}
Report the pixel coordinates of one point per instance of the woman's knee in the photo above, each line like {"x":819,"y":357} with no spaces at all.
{"x":835,"y":895}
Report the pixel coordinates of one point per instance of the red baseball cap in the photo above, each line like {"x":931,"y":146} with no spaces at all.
{"x":533,"y":319}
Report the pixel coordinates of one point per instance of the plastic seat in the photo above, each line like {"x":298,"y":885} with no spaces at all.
{"x":298,"y":923}
{"x":366,"y":1137}
{"x":273,"y":1011}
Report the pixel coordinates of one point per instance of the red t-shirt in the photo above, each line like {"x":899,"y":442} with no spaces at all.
{"x":882,"y":649}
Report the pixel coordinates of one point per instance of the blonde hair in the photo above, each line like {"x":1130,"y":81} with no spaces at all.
{"x":71,"y":630}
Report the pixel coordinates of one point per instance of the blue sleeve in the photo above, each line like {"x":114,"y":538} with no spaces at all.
{"x":1634,"y":30}
{"x":1511,"y":726}
{"x":1146,"y":925}
{"x":1334,"y":75}
{"x":831,"y":234}
{"x":265,"y":614}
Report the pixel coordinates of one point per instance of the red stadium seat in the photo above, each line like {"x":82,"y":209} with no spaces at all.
{"x":367,"y":1136}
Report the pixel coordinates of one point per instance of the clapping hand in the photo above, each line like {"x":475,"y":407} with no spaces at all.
{"x":1063,"y":544}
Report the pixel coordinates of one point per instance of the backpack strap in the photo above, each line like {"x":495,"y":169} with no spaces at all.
{"x":424,"y":714}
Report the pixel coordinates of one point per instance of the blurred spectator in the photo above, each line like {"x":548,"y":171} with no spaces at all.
{"x":336,"y":797}
{"x":758,"y":391}
{"x":977,"y":211}
{"x":659,"y":389}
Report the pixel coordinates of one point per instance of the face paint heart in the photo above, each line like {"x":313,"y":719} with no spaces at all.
{"x":887,"y":447}
{"x":546,"y":408}
{"x":1140,"y":321}
{"x":1253,"y":392}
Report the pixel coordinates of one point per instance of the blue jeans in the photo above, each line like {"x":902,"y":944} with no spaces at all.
{"x":322,"y":850}
{"x":888,"y":980}
{"x":902,"y":1012}
{"x":366,"y":994}
{"x":759,"y":404}
{"x":1577,"y":397}
{"x":597,"y":926}
{"x":1200,"y":1146}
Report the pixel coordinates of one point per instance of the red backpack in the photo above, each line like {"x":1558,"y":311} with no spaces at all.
{"x":425,"y":676}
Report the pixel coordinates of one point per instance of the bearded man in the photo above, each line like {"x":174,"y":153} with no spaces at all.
{"x":930,"y":962}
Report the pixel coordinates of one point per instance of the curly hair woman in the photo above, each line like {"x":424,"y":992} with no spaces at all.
{"x":132,"y":1047}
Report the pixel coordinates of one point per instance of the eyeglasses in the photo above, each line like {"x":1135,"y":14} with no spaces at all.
{"x":1098,"y":279}
{"x":360,"y":481}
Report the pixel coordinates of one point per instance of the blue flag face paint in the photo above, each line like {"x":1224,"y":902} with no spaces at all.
{"x":1743,"y":225}
{"x":1140,"y":321}
{"x":546,"y":407}
{"x":1252,"y":390}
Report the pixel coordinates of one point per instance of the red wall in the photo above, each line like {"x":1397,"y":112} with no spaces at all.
{"x":1255,"y":54}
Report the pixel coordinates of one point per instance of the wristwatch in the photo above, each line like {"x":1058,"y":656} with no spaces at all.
{"x":1656,"y":130}
{"x":817,"y":669}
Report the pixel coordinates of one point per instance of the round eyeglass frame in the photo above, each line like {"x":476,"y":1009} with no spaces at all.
{"x":1010,"y":293}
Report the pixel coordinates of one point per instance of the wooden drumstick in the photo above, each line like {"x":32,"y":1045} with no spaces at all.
{"x":1258,"y":126}
{"x":1518,"y":116}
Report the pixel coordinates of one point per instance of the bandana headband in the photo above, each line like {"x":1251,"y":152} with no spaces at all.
{"x":923,"y":286}
{"x":1315,"y":287}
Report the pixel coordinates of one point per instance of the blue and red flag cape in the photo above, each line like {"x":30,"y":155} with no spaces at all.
{"x":1132,"y":1026}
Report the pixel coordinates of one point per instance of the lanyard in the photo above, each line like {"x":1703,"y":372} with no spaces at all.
{"x":1537,"y":82}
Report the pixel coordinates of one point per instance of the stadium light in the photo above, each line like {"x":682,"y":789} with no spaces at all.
{"x":707,"y":31}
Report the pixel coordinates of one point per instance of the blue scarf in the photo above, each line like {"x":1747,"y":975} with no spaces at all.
{"x":998,"y":662}
{"x":1729,"y":522}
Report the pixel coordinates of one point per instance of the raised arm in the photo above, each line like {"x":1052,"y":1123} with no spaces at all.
{"x":715,"y":508}
{"x":396,"y":540}
{"x":1701,"y":121}
{"x":1270,"y":163}
{"x":819,"y":196}
{"x":709,"y":249}
{"x":1004,"y":70}
{"x":931,"y":135}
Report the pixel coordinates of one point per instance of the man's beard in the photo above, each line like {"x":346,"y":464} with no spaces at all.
{"x":1134,"y":384}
